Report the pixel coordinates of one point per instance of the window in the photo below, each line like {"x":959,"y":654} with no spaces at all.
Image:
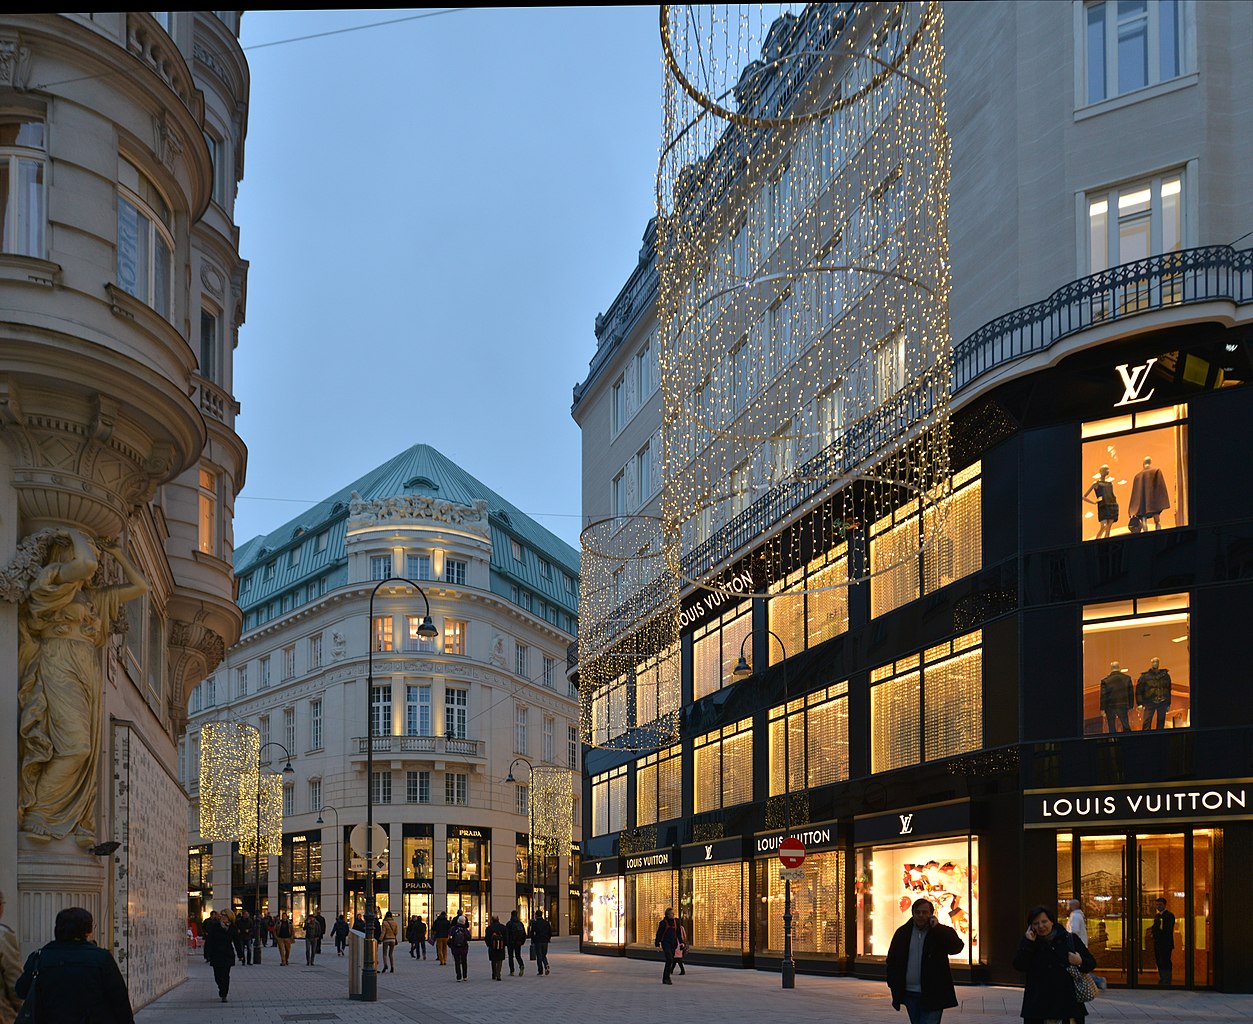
{"x":1133,"y":222}
{"x":289,"y":800}
{"x":209,"y":344}
{"x":418,"y":567}
{"x":381,"y":787}
{"x":643,"y":474}
{"x":569,"y":583}
{"x":145,"y":243}
{"x":723,"y":767}
{"x":382,"y":633}
{"x":264,"y":668}
{"x":817,"y":741}
{"x":454,"y":571}
{"x":659,"y":787}
{"x":1130,"y":44}
{"x":780,"y":198}
{"x":320,"y":542}
{"x":315,"y":651}
{"x":241,"y":681}
{"x":289,"y":661}
{"x":520,"y":716}
{"x":267,"y":573}
{"x":415,"y":641}
{"x":418,"y":787}
{"x":417,"y":710}
{"x":617,"y":408}
{"x":456,"y":789}
{"x":810,"y":605}
{"x":381,"y":710}
{"x":521,"y":660}
{"x":572,"y":747}
{"x":263,"y":729}
{"x":644,"y":373}
{"x":545,"y":569}
{"x":456,"y":712}
{"x":315,"y":725}
{"x":210,"y":691}
{"x":889,"y":368}
{"x":739,"y":375}
{"x":208,"y":541}
{"x":550,"y":671}
{"x":941,"y":689}
{"x":1135,"y":470}
{"x":293,"y":558}
{"x":716,"y":649}
{"x":618,"y":495}
{"x":609,"y":801}
{"x":516,"y":550}
{"x":380,"y":567}
{"x":454,"y":636}
{"x":550,"y":749}
{"x":1137,"y":665}
{"x":23,"y":200}
{"x":523,"y":800}
{"x":289,"y":729}
{"x":829,"y":417}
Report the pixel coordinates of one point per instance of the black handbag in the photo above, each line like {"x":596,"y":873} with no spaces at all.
{"x":26,"y":1015}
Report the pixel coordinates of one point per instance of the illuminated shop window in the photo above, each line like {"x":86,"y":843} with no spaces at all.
{"x":941,"y":688}
{"x":650,"y":893}
{"x":890,"y":878}
{"x":810,"y":605}
{"x":716,"y":649}
{"x":657,"y":686}
{"x":609,"y":801}
{"x":659,"y":786}
{"x":717,"y":908}
{"x":817,"y":906}
{"x":1136,"y":665}
{"x":723,"y":770}
{"x":603,"y":910}
{"x":1135,"y":469}
{"x":817,"y":740}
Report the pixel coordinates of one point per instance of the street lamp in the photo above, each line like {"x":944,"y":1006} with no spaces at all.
{"x":741,"y":671}
{"x":256,"y":901}
{"x":339,"y":838}
{"x":530,"y":836}
{"x":427,"y":630}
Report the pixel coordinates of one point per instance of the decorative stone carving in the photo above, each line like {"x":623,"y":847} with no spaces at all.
{"x":14,"y":62}
{"x":212,"y":278}
{"x":194,"y":651}
{"x":364,"y":513}
{"x":498,"y":650}
{"x":167,"y":146}
{"x":339,"y":646}
{"x":67,"y":612}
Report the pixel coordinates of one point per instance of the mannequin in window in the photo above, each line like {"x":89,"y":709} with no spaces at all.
{"x":1153,"y":694}
{"x":1116,"y":697}
{"x":1148,"y":495}
{"x":1105,"y":502}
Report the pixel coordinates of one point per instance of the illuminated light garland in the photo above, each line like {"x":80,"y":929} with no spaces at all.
{"x":271,"y":810}
{"x":552,"y":810}
{"x":229,"y":753}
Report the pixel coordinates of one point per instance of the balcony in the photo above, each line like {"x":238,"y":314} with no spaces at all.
{"x":450,"y":747}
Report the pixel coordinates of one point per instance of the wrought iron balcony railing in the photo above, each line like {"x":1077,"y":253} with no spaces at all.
{"x":453,"y":746}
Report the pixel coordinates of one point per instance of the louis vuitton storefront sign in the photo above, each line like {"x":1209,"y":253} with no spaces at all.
{"x":1195,"y":801}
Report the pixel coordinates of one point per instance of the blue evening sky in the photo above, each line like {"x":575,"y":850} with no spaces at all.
{"x":434,"y":213}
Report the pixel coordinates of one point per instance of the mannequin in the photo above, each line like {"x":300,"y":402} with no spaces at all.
{"x":1105,"y":501}
{"x":1153,"y":695}
{"x":1148,"y":495}
{"x":1116,"y":697}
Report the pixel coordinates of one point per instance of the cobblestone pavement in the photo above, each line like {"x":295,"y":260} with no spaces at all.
{"x":608,"y":990}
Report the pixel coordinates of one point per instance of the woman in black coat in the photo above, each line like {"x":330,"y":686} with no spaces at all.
{"x":1043,"y":954}
{"x":219,"y":950}
{"x":73,"y":979}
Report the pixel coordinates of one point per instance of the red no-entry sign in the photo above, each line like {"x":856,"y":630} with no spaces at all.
{"x":792,"y":853}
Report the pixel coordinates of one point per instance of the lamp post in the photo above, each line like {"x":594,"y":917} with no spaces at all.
{"x":742,"y":670}
{"x":256,"y":901}
{"x":530,"y":836}
{"x":426,"y":629}
{"x":339,"y":839}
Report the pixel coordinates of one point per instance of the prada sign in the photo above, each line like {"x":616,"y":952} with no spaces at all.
{"x":462,"y":832}
{"x":1205,"y":802}
{"x":418,"y":885}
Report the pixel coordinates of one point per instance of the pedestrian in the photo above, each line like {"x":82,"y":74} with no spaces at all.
{"x":681,"y":950}
{"x":73,"y":979}
{"x":313,"y":937}
{"x":667,"y":940}
{"x":239,"y":935}
{"x":1164,"y":942}
{"x":1077,"y":924}
{"x":541,"y":933}
{"x":439,"y":932}
{"x":419,"y":931}
{"x":496,"y":940}
{"x":917,"y":965}
{"x":358,"y":924}
{"x":459,"y":943}
{"x":339,"y":930}
{"x":321,"y":930}
{"x":10,"y":970}
{"x":219,"y":950}
{"x":284,"y":933}
{"x":1044,"y":953}
{"x":267,"y":930}
{"x":390,"y":935}
{"x":515,"y":936}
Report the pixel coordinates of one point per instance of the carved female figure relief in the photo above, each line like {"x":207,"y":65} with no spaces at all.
{"x":65,"y":617}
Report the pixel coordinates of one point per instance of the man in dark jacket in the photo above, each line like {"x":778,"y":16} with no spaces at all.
{"x":219,"y":950}
{"x":340,"y":931}
{"x":541,"y":934}
{"x":918,"y":971}
{"x":496,"y":941}
{"x":1164,"y":942}
{"x":73,"y":978}
{"x":515,"y":936}
{"x":668,"y":942}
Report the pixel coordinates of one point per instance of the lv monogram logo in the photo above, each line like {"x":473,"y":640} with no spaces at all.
{"x":709,"y":853}
{"x":598,"y":868}
{"x":1134,"y":378}
{"x":907,"y":823}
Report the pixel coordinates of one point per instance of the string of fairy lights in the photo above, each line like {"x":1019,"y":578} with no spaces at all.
{"x":234,"y":790}
{"x":551,"y":810}
{"x":802,"y":251}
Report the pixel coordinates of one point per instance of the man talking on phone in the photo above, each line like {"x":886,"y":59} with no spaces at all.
{"x":918,"y":971}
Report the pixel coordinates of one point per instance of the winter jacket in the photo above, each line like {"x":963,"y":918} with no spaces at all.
{"x":459,"y":938}
{"x":1116,"y":692}
{"x":391,"y":930}
{"x":667,"y":934}
{"x":1153,"y":687}
{"x":283,"y":929}
{"x":440,"y":927}
{"x":1149,"y":496}
{"x":515,"y":933}
{"x":340,"y":929}
{"x":414,"y":933}
{"x":218,"y":948}
{"x":540,"y":930}
{"x":1049,"y":993}
{"x":937,"y":980}
{"x":313,"y":928}
{"x":496,"y":939}
{"x":78,"y":981}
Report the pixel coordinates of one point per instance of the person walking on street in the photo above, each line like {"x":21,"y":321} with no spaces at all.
{"x":681,"y":950}
{"x":418,"y":927}
{"x":321,"y":930}
{"x":1164,"y":942}
{"x":284,"y":933}
{"x":439,"y":932}
{"x":237,"y":934}
{"x":339,"y":932}
{"x":73,"y":979}
{"x":541,"y":934}
{"x":1044,"y":954}
{"x":667,"y":940}
{"x":313,"y":937}
{"x":411,"y":935}
{"x":1077,"y":925}
{"x":496,"y":940}
{"x":515,"y":936}
{"x":247,"y":934}
{"x":10,"y":970}
{"x":917,"y":965}
{"x":459,"y":943}
{"x":267,"y":930}
{"x":390,"y":935}
{"x":219,"y":950}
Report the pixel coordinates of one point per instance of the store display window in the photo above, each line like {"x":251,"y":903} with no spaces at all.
{"x":603,"y":917}
{"x":1135,"y":473}
{"x":723,"y":767}
{"x":816,"y":740}
{"x":469,"y":859}
{"x":649,"y":893}
{"x":890,"y":878}
{"x":817,"y":906}
{"x":1136,"y":665}
{"x":715,"y":900}
{"x":419,"y":858}
{"x":609,"y":801}
{"x":810,"y":605}
{"x":475,"y":907}
{"x":659,"y":786}
{"x":716,"y":649}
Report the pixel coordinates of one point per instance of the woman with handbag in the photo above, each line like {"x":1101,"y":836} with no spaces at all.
{"x":1058,"y":968}
{"x":73,"y":979}
{"x":681,"y":949}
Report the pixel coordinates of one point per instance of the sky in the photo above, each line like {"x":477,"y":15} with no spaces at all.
{"x":434,"y":212}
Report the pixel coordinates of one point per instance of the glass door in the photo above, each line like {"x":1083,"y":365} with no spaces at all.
{"x":1102,"y":889}
{"x":1161,"y":895}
